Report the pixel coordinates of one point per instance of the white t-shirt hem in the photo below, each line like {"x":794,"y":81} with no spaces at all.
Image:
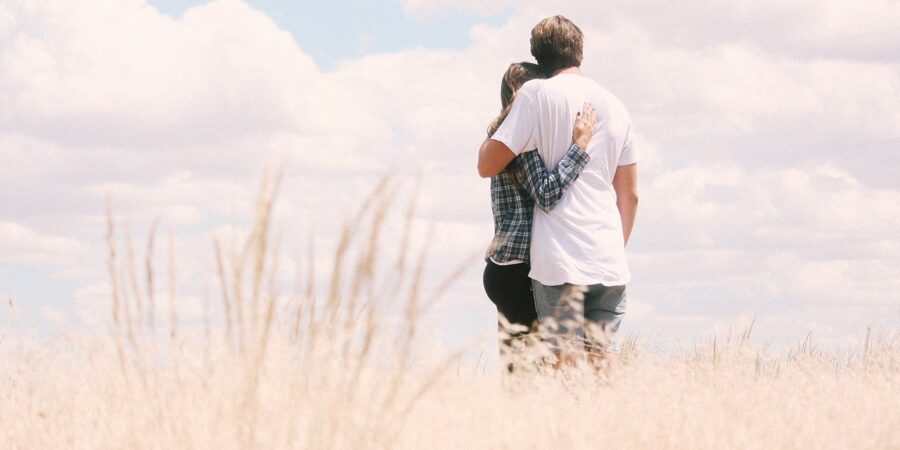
{"x":507,"y":263}
{"x":507,"y":141}
{"x":578,"y":281}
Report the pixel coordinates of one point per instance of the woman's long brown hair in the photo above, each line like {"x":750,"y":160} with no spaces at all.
{"x":513,"y":79}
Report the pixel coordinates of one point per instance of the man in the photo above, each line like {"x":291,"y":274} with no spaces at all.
{"x":579,"y":269}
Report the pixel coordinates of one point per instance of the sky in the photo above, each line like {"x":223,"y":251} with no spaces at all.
{"x":332,"y":31}
{"x":768,"y":132}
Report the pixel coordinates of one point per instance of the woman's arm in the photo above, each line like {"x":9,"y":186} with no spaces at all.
{"x":493,"y":158}
{"x":546,"y":187}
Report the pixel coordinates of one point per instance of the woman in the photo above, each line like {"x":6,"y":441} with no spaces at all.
{"x":514,"y":192}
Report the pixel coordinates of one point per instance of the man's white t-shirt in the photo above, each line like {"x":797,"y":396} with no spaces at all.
{"x":580,"y":241}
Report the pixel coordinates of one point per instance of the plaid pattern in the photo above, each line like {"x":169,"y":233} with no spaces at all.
{"x":513,"y":207}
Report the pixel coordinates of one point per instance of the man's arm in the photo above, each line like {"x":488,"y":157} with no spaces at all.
{"x":625,"y":185}
{"x":546,"y":187}
{"x":493,"y":158}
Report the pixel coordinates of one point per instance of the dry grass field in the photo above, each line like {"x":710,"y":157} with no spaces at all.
{"x":300,"y":371}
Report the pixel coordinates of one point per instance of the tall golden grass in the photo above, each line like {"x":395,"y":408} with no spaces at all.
{"x":339,"y":370}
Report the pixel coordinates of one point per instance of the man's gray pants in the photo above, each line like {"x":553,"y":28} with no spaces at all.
{"x":588,"y":315}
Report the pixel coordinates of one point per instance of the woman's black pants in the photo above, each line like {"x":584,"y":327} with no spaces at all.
{"x":510,"y":289}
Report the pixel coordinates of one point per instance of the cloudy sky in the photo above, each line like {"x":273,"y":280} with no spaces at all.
{"x":769,"y":133}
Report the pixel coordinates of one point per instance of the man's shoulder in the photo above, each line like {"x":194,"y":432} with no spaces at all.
{"x":531,"y":87}
{"x":567,"y":85}
{"x":602,"y":97}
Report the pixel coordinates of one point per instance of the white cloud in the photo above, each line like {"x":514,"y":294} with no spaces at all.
{"x":857,"y":29}
{"x":92,"y":304}
{"x":23,"y":245}
{"x":432,"y":8}
{"x":6,"y":20}
{"x":54,"y":315}
{"x":122,"y":73}
{"x":366,"y":41}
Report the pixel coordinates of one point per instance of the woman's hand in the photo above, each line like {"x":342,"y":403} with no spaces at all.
{"x":585,"y":124}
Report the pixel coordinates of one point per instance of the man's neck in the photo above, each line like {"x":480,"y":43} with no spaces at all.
{"x":574,"y":70}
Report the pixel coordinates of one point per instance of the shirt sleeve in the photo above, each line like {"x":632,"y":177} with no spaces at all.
{"x":545,"y":186}
{"x":519,"y":130}
{"x":629,"y":155}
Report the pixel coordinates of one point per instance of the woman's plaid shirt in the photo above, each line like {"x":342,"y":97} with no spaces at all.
{"x":513,"y":206}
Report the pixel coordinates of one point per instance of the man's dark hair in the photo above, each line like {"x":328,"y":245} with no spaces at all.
{"x":557,"y":43}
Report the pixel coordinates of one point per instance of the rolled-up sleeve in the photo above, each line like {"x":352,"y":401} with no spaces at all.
{"x":629,"y":154}
{"x":519,"y":130}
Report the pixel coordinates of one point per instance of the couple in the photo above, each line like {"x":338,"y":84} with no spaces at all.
{"x":564,"y":144}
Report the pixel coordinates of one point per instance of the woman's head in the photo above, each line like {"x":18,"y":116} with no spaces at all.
{"x":517,"y":75}
{"x":514,"y":78}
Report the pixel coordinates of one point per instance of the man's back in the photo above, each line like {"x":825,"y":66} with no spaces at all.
{"x":580,"y":241}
